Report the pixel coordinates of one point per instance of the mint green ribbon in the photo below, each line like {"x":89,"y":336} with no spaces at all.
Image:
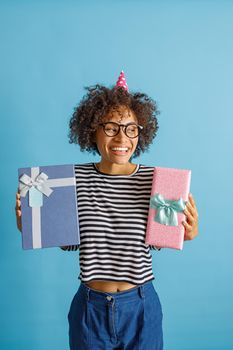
{"x":166,"y":209}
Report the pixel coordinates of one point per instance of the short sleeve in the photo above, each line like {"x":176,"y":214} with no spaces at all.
{"x":70,"y":247}
{"x":153,"y":247}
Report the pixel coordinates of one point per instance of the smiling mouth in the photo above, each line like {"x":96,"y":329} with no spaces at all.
{"x":120,"y":149}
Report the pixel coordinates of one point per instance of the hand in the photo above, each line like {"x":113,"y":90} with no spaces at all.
{"x":191,"y":225}
{"x":18,"y":212}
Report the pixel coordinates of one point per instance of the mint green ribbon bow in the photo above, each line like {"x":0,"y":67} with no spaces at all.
{"x":166,"y":209}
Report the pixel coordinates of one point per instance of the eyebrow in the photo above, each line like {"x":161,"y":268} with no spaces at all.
{"x":110,"y":121}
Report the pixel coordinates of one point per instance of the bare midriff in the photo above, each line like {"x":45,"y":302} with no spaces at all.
{"x":109,"y":286}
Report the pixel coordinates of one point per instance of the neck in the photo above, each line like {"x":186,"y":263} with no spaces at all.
{"x":116,"y":169}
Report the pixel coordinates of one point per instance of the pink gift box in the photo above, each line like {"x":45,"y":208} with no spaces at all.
{"x":172,"y":185}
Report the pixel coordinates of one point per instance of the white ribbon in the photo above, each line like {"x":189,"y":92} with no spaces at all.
{"x":42,"y":184}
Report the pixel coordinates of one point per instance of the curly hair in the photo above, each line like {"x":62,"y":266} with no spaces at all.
{"x":98,"y":102}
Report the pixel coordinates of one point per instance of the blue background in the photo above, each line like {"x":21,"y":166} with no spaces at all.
{"x":181,"y":54}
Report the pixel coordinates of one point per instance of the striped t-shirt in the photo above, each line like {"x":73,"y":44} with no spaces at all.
{"x":113,"y":212}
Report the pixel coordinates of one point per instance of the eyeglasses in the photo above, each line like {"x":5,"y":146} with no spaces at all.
{"x":131,"y":130}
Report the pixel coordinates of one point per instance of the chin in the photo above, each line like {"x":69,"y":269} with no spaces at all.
{"x":121,"y":162}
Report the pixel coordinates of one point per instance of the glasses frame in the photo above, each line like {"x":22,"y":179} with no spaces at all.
{"x":124,"y":126}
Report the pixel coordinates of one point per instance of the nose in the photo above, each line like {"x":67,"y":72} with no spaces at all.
{"x":121,"y":134}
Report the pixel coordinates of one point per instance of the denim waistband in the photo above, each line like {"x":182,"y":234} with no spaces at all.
{"x":125,"y":295}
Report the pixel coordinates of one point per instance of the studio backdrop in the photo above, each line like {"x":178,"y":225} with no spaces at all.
{"x":178,"y":52}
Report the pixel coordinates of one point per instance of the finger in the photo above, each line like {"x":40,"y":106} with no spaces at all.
{"x":190,"y":220}
{"x":18,"y":201}
{"x":187,"y":226}
{"x":17,"y":207}
{"x":18,"y":213}
{"x":191,"y":209}
{"x":189,"y":216}
{"x":19,"y":224}
{"x":18,"y":204}
{"x":191,"y":198}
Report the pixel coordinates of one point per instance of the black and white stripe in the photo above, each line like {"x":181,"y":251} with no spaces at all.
{"x":113,"y":212}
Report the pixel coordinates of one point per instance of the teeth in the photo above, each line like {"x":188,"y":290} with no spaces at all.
{"x":120,"y":149}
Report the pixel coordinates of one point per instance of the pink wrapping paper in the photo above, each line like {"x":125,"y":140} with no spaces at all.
{"x":172,"y":184}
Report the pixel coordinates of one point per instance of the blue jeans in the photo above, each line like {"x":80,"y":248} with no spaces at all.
{"x":127,"y":320}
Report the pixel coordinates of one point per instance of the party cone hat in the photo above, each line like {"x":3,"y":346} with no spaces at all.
{"x":121,"y":82}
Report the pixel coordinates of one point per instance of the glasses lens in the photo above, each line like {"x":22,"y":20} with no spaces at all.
{"x":132,"y":130}
{"x":111,"y":129}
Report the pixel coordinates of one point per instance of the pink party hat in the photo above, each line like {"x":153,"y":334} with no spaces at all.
{"x":121,"y":82}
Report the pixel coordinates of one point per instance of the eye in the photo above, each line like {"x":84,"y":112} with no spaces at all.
{"x":132,"y":128}
{"x":110,"y":128}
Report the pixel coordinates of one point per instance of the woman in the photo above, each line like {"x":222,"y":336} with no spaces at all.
{"x":116,"y":305}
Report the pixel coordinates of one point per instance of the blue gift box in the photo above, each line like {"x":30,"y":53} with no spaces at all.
{"x":49,"y":206}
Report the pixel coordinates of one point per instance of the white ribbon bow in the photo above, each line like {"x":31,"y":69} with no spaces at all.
{"x":26,"y":182}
